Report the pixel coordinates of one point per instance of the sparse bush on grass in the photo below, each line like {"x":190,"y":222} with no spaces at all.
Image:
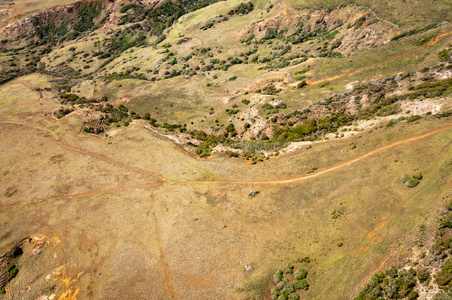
{"x":286,"y":289}
{"x":336,"y":214}
{"x":412,"y":295}
{"x":12,"y":270}
{"x":413,"y":118}
{"x":417,"y":175}
{"x":207,"y":26}
{"x":10,"y":267}
{"x":243,"y":9}
{"x":231,"y":112}
{"x":281,"y":106}
{"x":414,"y":31}
{"x":394,"y":122}
{"x":431,"y":89}
{"x":270,"y":90}
{"x":301,"y":84}
{"x":232,"y":153}
{"x":444,"y":55}
{"x":359,"y":22}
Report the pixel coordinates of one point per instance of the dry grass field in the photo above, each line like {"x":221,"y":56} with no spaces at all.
{"x":134,"y":215}
{"x":129,"y":213}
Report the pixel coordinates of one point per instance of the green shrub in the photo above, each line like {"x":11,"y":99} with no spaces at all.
{"x":245,"y":101}
{"x":281,"y":106}
{"x":405,"y":178}
{"x":418,"y":175}
{"x":412,"y":182}
{"x":13,"y":273}
{"x":278,"y":276}
{"x":444,"y":55}
{"x":423,"y":275}
{"x":294,"y":296}
{"x":10,"y":267}
{"x":413,"y":118}
{"x":275,"y":292}
{"x":302,"y":84}
{"x":413,"y":295}
{"x":301,"y":274}
{"x":289,"y":268}
{"x":301,"y":284}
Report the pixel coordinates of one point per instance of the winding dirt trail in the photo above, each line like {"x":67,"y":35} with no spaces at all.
{"x":84,"y":195}
{"x":168,"y":286}
{"x":85,"y":152}
{"x":280,"y":181}
{"x":110,"y":161}
{"x":320,"y":173}
{"x":269,"y":182}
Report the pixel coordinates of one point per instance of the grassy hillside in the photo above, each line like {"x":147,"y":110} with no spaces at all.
{"x":221,"y":150}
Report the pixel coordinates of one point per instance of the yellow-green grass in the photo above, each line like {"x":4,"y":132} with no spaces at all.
{"x":406,"y":14}
{"x":187,"y":232}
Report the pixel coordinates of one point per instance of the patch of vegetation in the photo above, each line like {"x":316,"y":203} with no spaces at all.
{"x":431,"y":89}
{"x":285,"y":289}
{"x":207,"y":26}
{"x":12,"y":270}
{"x":444,"y":55}
{"x":301,"y":84}
{"x":411,"y":181}
{"x":270,"y":90}
{"x":415,"y":31}
{"x":242,"y":9}
{"x":63,"y":111}
{"x":336,"y":214}
{"x":165,"y":14}
{"x":413,"y":118}
{"x":392,"y":284}
{"x":404,"y":281}
{"x":49,"y":29}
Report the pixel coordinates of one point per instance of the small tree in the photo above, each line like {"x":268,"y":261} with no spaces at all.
{"x":302,"y":84}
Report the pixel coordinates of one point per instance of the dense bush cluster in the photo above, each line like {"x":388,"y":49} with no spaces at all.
{"x":391,"y":284}
{"x":242,"y":9}
{"x":434,"y":267}
{"x":285,"y":289}
{"x":50,"y":30}
{"x":431,"y":89}
{"x":411,"y":181}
